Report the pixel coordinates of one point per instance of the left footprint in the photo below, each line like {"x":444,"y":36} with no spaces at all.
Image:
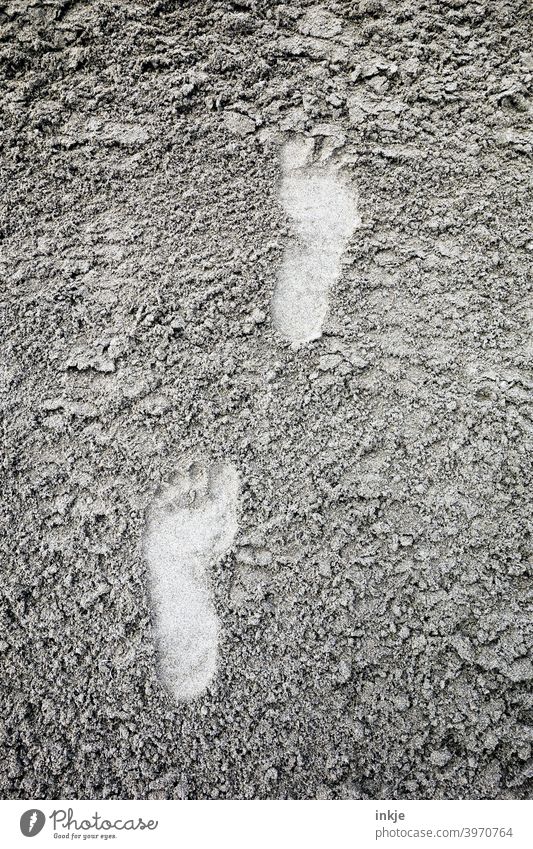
{"x":191,"y":523}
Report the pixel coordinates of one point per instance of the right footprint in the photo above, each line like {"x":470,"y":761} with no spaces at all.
{"x":323,"y":210}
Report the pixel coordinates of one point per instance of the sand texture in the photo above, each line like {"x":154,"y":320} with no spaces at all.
{"x":266,"y":385}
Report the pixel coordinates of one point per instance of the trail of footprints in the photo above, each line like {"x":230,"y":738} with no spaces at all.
{"x":194,"y":519}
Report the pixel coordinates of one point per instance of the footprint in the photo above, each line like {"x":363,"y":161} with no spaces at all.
{"x":192,"y":522}
{"x":323,"y":210}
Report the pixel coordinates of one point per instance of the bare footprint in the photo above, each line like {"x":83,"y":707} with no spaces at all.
{"x":192,"y":522}
{"x":323,"y":210}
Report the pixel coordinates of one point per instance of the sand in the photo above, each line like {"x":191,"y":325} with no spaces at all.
{"x":287,"y":245}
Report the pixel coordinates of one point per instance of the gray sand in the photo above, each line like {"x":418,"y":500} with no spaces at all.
{"x":291,"y":246}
